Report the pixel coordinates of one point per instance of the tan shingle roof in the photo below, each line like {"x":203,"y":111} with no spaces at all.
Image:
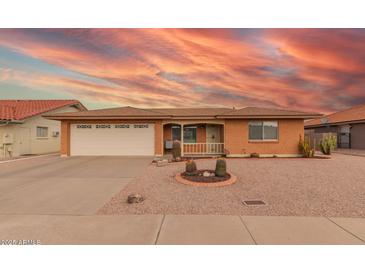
{"x":192,"y":111}
{"x":266,"y":112}
{"x":113,"y":112}
{"x":356,"y":113}
{"x":166,"y":113}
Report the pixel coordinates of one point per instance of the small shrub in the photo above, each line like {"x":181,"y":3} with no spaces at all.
{"x":328,"y":144}
{"x":176,"y":150}
{"x":305,"y":148}
{"x":190,"y":168}
{"x":255,"y":155}
{"x":220,"y":168}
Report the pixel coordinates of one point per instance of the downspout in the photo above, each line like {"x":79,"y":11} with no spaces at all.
{"x":182,"y":139}
{"x":2,"y":125}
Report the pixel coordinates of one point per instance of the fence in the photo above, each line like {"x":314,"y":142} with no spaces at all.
{"x":315,"y":138}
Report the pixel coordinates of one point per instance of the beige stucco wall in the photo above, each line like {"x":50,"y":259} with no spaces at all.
{"x":237,"y":143}
{"x":25,"y":140}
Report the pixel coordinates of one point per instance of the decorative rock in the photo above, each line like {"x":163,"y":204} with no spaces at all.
{"x":135,"y":198}
{"x":162,"y":162}
{"x":206,"y":174}
{"x":212,"y":174}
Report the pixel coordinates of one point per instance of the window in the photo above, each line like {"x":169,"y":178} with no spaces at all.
{"x":42,"y":132}
{"x":263,"y":130}
{"x":176,"y":133}
{"x":190,"y":135}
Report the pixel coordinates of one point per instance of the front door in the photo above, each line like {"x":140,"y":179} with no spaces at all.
{"x":24,"y":141}
{"x":212,"y":137}
{"x":213,"y":134}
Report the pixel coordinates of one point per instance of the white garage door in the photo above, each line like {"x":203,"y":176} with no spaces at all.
{"x":112,"y":139}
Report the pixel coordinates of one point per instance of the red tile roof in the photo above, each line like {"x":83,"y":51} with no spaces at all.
{"x":22,"y":109}
{"x":353,"y":114}
{"x":169,"y":113}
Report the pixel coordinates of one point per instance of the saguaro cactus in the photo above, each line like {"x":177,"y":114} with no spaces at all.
{"x":220,"y":168}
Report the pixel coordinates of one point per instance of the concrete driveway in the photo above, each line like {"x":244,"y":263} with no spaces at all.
{"x":65,"y":186}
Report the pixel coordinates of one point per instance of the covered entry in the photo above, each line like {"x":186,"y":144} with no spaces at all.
{"x":195,"y":138}
{"x":112,"y":139}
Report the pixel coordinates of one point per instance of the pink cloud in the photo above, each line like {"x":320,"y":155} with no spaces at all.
{"x":300,"y":68}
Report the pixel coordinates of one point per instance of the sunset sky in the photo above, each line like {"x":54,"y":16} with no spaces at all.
{"x":320,"y":70}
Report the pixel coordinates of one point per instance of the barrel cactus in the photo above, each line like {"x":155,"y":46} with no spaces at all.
{"x":220,"y":168}
{"x":190,"y":168}
{"x":176,"y":150}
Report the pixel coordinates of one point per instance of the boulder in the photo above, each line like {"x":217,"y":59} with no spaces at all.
{"x":162,"y":162}
{"x":206,"y":174}
{"x":135,"y":198}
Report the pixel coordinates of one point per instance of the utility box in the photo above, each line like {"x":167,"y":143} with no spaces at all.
{"x":8,"y":138}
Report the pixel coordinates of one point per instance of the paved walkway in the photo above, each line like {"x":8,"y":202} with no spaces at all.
{"x":181,"y":229}
{"x":349,"y":151}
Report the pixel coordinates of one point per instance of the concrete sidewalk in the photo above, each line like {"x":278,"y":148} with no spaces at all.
{"x":181,"y":229}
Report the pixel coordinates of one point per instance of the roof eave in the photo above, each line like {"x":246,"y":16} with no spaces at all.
{"x":336,"y":123}
{"x":269,"y":116}
{"x":105,"y":117}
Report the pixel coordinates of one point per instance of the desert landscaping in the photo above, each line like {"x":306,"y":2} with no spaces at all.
{"x":289,"y":187}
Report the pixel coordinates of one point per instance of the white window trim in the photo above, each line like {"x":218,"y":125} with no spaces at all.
{"x":41,"y":137}
{"x":263,"y":134}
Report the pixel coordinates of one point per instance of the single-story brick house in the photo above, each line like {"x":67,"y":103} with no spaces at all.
{"x":202,"y":131}
{"x":24,"y":131}
{"x":349,"y":125}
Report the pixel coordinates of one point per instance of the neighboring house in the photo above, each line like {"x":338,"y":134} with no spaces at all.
{"x":133,"y":131}
{"x":349,"y":125}
{"x":24,"y":131}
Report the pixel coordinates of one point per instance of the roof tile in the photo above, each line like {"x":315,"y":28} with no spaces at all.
{"x":356,"y":113}
{"x":22,"y":109}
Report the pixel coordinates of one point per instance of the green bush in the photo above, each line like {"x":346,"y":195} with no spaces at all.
{"x":220,"y":168}
{"x":328,"y":144}
{"x":190,"y":168}
{"x":305,"y":148}
{"x":176,"y":149}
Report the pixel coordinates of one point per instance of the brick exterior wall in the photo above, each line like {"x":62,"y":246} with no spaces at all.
{"x":65,"y":138}
{"x":236,"y":138}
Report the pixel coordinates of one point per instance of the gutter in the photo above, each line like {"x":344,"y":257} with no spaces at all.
{"x":4,"y":124}
{"x":335,"y":124}
{"x":10,"y":122}
{"x":267,"y":117}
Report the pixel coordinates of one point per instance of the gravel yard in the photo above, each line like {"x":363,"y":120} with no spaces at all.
{"x":290,"y":187}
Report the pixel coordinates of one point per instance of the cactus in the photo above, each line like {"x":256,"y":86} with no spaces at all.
{"x":190,"y":168}
{"x":328,"y":144}
{"x":305,"y":148}
{"x":220,"y":168}
{"x":176,"y":149}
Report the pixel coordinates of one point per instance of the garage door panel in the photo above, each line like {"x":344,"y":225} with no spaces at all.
{"x":115,"y":140}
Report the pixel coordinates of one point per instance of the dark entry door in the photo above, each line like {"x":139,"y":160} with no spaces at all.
{"x":344,"y":140}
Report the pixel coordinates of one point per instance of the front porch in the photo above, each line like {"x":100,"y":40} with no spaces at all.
{"x":198,"y":139}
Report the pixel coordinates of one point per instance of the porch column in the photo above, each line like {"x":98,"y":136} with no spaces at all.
{"x":182,"y":139}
